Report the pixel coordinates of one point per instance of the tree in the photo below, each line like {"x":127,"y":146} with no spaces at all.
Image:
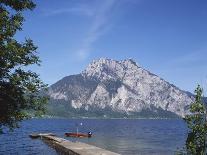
{"x":197,"y":124}
{"x":19,"y":87}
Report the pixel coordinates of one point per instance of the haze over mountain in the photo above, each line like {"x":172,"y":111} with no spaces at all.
{"x":110,"y":88}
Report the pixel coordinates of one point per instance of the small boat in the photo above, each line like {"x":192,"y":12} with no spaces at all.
{"x":79,"y":135}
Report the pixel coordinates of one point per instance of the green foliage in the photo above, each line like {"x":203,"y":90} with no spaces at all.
{"x":19,"y":88}
{"x":197,"y":124}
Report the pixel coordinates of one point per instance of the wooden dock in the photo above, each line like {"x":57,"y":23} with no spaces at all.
{"x":67,"y":147}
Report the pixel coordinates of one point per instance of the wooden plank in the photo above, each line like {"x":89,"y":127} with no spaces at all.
{"x":37,"y":135}
{"x":73,"y":148}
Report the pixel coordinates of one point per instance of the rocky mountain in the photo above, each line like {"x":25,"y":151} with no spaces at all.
{"x":110,"y":88}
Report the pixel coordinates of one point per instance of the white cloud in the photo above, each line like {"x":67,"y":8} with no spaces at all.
{"x":191,"y":59}
{"x":80,"y":10}
{"x":99,"y":27}
{"x":83,"y":53}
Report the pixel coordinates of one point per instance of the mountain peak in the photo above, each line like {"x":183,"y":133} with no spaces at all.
{"x":108,"y":60}
{"x":130,"y":60}
{"x":121,"y":86}
{"x":105,"y":68}
{"x":103,"y":61}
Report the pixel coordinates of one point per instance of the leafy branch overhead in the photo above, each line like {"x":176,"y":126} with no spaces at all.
{"x":20,"y":88}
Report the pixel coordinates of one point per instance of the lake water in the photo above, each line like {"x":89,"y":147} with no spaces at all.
{"x":127,"y":137}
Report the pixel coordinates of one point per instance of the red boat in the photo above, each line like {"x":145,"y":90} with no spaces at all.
{"x":80,"y":135}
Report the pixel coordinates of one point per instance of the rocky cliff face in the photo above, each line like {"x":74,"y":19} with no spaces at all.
{"x":121,"y":86}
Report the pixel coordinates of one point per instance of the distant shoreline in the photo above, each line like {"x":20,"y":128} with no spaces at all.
{"x":102,"y":118}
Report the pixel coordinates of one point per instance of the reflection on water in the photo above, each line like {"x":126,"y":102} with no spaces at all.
{"x":122,"y":136}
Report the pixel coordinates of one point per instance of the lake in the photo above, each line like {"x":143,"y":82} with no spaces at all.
{"x":124,"y":136}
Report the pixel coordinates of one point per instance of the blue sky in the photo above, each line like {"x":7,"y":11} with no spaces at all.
{"x":166,"y":37}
